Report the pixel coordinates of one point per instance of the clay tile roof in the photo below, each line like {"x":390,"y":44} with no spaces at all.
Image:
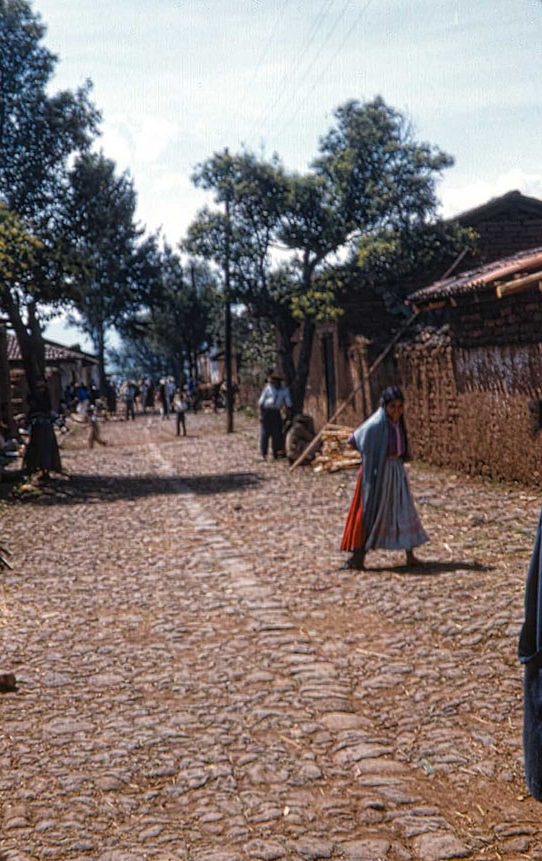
{"x":53,"y":352}
{"x":481,"y":279}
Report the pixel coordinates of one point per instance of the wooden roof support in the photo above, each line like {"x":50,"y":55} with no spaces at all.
{"x":516,"y":285}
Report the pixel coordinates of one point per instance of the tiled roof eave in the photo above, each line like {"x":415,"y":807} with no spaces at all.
{"x":480,"y":280}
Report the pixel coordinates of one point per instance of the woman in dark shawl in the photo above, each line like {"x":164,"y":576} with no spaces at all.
{"x":42,"y":450}
{"x":382,"y":514}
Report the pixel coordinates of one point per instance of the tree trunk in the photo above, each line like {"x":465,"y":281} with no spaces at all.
{"x":299,"y":385}
{"x":286,"y":353}
{"x":31,"y":343}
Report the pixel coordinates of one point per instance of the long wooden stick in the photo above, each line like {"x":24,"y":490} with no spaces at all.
{"x":376,"y":364}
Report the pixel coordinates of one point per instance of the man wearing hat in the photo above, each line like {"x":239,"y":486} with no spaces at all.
{"x":274,"y":397}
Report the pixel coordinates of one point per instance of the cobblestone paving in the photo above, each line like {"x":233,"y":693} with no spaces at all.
{"x":198,"y":680}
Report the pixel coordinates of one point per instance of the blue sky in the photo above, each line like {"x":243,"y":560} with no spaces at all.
{"x":177,"y":80}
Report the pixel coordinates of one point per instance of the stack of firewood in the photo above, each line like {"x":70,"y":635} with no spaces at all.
{"x":335,"y":453}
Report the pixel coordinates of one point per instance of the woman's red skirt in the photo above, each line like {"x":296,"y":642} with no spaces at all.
{"x":353,"y":535}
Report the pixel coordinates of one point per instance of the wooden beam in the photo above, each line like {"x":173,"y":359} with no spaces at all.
{"x":518,"y":284}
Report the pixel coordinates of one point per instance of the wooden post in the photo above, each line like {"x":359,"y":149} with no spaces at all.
{"x":227,"y":320}
{"x":376,"y":364}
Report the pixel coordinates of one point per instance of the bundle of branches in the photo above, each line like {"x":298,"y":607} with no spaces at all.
{"x":335,"y":453}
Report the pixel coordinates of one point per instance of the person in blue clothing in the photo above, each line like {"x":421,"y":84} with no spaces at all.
{"x":382,"y":513}
{"x":274,"y":398}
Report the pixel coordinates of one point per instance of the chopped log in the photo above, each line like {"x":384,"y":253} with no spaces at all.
{"x":335,"y":453}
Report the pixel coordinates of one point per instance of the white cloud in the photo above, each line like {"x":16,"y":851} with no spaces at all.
{"x":137,"y":140}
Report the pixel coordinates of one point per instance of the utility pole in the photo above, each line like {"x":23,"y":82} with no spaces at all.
{"x":227,"y":318}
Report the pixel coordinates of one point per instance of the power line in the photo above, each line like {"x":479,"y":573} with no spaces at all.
{"x":327,"y":66}
{"x":264,"y":52}
{"x":316,"y":25}
{"x":316,"y":57}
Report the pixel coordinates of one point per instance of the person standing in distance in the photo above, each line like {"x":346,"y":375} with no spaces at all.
{"x":274,"y":398}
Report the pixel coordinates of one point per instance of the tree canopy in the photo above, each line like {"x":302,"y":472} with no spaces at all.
{"x":102,"y":239}
{"x":289,"y":233}
{"x":39,"y":134}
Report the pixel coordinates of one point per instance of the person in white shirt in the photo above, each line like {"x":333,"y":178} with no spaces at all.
{"x":274,"y":398}
{"x":180,"y":405}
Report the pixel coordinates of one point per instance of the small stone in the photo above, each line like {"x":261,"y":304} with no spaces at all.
{"x":440,"y":847}
{"x":264,"y":850}
{"x":109,"y":783}
{"x":517,"y":844}
{"x":314,"y":849}
{"x":337,"y":721}
{"x":310,"y":772}
{"x":118,"y":855}
{"x":150,"y":833}
{"x":83,"y":846}
{"x":365,"y":850}
{"x":67,"y":726}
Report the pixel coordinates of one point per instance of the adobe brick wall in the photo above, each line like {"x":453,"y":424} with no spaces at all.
{"x":468,"y":408}
{"x":504,"y":236}
{"x":511,"y":320}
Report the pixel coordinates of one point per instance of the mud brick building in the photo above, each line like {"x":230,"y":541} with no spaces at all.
{"x":344,"y":350}
{"x":474,"y":386}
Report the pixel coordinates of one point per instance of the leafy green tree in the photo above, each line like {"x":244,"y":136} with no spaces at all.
{"x":103,"y":242}
{"x":396,"y":262}
{"x":255,"y":193}
{"x":370,"y":176}
{"x":176,"y":317}
{"x":39,"y":134}
{"x":184,"y":321}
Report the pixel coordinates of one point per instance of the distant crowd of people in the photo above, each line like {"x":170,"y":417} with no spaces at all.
{"x":128,"y":397}
{"x":122,"y":399}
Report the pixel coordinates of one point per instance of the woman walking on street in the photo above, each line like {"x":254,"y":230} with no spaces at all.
{"x":382,"y":513}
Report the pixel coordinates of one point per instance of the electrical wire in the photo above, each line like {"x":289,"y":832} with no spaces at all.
{"x":315,"y":59}
{"x":263,"y":53}
{"x":309,"y":40}
{"x":328,"y":65}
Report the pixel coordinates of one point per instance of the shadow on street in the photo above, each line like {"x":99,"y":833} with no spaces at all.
{"x":108,"y":488}
{"x":430,"y":567}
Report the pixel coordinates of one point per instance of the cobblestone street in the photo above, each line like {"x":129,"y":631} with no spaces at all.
{"x":198,"y":680}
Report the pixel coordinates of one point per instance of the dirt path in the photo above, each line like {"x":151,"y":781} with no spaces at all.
{"x":198,"y":680}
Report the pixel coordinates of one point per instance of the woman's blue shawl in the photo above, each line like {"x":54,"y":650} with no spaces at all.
{"x":371,"y":440}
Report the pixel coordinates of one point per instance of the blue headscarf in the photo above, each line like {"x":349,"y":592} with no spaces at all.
{"x":371,"y":440}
